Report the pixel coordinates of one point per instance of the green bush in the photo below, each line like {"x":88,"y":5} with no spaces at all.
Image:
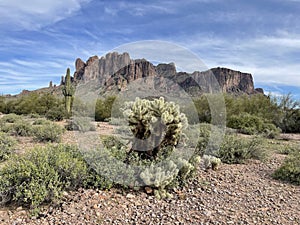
{"x":57,"y":113}
{"x":104,"y":108}
{"x":5,"y":127}
{"x":15,"y":125}
{"x":290,"y":169}
{"x":41,"y":121}
{"x":204,"y":135}
{"x":251,"y":124}
{"x":22,"y":128}
{"x":82,"y":124}
{"x":43,"y":173}
{"x":36,"y":103}
{"x":236,"y":149}
{"x":50,"y":132}
{"x":6,"y":146}
{"x":10,"y":118}
{"x":34,"y":116}
{"x":2,"y":104}
{"x":110,"y":141}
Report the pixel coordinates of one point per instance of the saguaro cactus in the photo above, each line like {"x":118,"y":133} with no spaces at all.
{"x":156,"y":125}
{"x":68,"y":92}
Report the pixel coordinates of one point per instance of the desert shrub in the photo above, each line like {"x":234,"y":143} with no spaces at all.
{"x":5,"y":127}
{"x":57,"y":113}
{"x":271,"y":131}
{"x":2,"y":104}
{"x":257,"y":105}
{"x":251,"y":124}
{"x":7,"y":144}
{"x":41,"y":175}
{"x":10,"y":118}
{"x":21,"y":128}
{"x":207,"y":138}
{"x":34,"y":116}
{"x":15,"y":125}
{"x":203,"y":139}
{"x":235,"y":149}
{"x":41,"y":121}
{"x":290,"y":169}
{"x":109,"y":164}
{"x":289,"y":114}
{"x":36,"y":103}
{"x":50,"y":132}
{"x":110,"y":141}
{"x":104,"y":107}
{"x":288,"y":149}
{"x":82,"y":124}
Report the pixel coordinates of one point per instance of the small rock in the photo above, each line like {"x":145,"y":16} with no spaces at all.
{"x":148,"y":190}
{"x":130,"y":196}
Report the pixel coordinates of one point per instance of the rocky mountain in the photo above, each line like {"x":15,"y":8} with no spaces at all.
{"x":116,"y":72}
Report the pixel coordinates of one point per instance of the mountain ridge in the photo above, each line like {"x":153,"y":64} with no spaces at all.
{"x":117,"y":71}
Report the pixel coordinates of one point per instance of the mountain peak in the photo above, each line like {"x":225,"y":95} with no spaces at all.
{"x":116,"y":71}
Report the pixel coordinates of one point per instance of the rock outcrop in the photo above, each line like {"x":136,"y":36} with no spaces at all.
{"x":116,"y":71}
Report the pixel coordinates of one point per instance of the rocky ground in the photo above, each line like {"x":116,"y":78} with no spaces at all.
{"x":234,"y":194}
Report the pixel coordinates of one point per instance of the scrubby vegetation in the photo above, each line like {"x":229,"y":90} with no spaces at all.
{"x":82,"y":124}
{"x":48,"y":132}
{"x":41,"y":175}
{"x":235,"y":149}
{"x":290,"y":169}
{"x":251,"y":124}
{"x":164,"y":153}
{"x":45,"y":104}
{"x":252,"y":114}
{"x":7,"y":145}
{"x":41,"y":130}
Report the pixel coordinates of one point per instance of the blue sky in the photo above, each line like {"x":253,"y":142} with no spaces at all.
{"x":41,"y":38}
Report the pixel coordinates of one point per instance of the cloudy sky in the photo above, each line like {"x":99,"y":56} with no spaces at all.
{"x":41,"y":38}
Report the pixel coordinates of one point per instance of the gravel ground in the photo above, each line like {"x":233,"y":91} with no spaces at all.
{"x":235,"y":194}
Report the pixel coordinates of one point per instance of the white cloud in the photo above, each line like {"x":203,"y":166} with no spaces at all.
{"x":34,"y":14}
{"x":280,"y":42}
{"x":141,"y":9}
{"x":270,"y":59}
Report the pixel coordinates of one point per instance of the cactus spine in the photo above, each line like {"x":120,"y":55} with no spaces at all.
{"x":68,"y":92}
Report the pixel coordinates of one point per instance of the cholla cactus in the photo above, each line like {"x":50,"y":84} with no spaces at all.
{"x":211,"y":162}
{"x":161,"y":175}
{"x":68,"y":91}
{"x":187,"y":168}
{"x":155,"y":125}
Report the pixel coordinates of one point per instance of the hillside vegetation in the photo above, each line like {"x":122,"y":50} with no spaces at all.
{"x":254,"y":114}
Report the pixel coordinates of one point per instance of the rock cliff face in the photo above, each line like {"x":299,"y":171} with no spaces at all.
{"x":116,"y":71}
